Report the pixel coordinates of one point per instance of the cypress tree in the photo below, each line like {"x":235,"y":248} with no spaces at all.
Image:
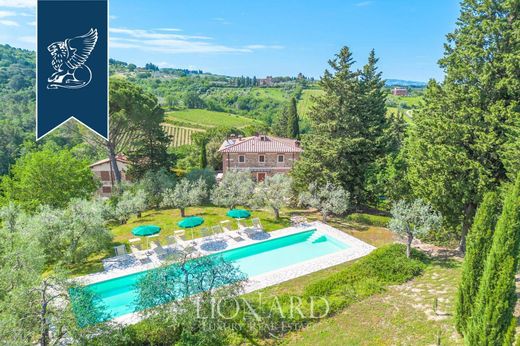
{"x":293,"y":125}
{"x":491,"y":319}
{"x":203,"y":154}
{"x":479,"y":242}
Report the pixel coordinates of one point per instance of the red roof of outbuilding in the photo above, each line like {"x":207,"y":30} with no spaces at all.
{"x":120,"y":158}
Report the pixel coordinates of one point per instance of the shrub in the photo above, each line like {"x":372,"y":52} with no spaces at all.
{"x":385,"y":266}
{"x":368,"y":219}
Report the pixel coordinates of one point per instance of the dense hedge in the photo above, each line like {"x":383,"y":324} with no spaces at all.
{"x":387,"y":265}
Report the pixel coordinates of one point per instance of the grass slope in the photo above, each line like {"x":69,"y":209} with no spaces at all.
{"x":197,"y":118}
{"x":305,"y":103}
{"x":403,"y":315}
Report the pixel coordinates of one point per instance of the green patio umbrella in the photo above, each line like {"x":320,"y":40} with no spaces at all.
{"x":146,"y":230}
{"x":238,"y":213}
{"x":189,"y":222}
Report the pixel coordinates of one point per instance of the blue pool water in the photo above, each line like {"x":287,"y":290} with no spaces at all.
{"x":118,"y":295}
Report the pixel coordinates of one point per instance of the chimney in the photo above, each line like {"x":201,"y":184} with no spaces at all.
{"x":240,"y":137}
{"x":232,"y":136}
{"x":297,"y":144}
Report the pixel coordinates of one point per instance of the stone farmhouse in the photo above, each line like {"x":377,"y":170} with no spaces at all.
{"x":262,"y":155}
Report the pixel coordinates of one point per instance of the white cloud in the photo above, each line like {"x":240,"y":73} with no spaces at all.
{"x":28,"y":39}
{"x":166,"y":40}
{"x":152,"y":34}
{"x":364,"y":3}
{"x":221,"y":20}
{"x":4,"y":14}
{"x":33,"y":23}
{"x":18,"y":3}
{"x":168,"y":29}
{"x":263,"y":46}
{"x":8,"y":22}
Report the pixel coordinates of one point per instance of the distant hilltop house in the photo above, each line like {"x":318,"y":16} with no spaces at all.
{"x":267,"y":81}
{"x":262,"y":155}
{"x":398,"y":91}
{"x":104,"y":172}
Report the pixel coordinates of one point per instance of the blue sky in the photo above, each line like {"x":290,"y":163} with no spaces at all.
{"x":265,"y":37}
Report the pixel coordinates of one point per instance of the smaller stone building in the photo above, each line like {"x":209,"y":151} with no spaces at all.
{"x":104,"y":172}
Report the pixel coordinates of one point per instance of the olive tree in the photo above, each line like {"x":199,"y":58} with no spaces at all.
{"x":274,"y":192}
{"x":192,"y":297}
{"x":185,"y":194}
{"x":72,"y":234}
{"x":327,"y":199}
{"x":154,"y":183}
{"x":129,"y":203}
{"x":413,"y":219}
{"x":236,"y":188}
{"x":36,"y":309}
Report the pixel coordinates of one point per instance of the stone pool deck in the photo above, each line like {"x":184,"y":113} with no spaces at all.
{"x":126,"y":265}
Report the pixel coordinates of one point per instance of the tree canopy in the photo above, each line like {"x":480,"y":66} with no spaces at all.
{"x":50,"y":176}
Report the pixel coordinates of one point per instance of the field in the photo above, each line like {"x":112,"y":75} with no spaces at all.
{"x":179,"y":135}
{"x":202,"y":118}
{"x":305,"y":102}
{"x":276,"y":94}
{"x":410,"y":101}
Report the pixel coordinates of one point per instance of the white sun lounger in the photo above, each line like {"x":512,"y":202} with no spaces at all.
{"x":257,"y":224}
{"x":139,"y":253}
{"x":120,"y":250}
{"x":180,"y":236}
{"x":178,"y":241}
{"x":227,"y":231}
{"x":206,"y":235}
{"x":242,"y":226}
{"x":158,"y":249}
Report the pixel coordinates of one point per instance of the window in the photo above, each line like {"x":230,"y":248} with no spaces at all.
{"x":105,"y":175}
{"x":261,"y":158}
{"x":280,"y":158}
{"x":241,"y":158}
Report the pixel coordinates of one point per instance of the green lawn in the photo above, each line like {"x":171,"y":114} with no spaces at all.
{"x":198,"y":118}
{"x":411,"y":101}
{"x":393,"y":111}
{"x":167,"y":219}
{"x":271,"y":93}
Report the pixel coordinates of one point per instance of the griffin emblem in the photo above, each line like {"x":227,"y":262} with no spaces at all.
{"x":68,"y":59}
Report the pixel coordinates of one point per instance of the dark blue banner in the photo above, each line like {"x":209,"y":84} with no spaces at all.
{"x":72,"y":64}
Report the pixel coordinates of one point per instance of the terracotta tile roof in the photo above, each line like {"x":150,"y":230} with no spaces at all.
{"x":120,"y":158}
{"x":260,"y":144}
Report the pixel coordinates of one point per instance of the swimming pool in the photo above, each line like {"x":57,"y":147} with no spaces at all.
{"x":118,"y":295}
